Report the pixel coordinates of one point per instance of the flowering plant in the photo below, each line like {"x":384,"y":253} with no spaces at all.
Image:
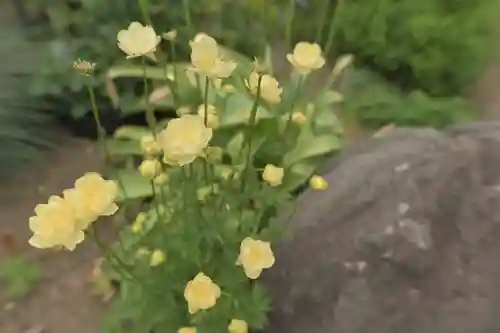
{"x":217,"y":175}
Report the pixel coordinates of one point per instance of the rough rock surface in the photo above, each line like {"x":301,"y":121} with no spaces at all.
{"x":405,"y":240}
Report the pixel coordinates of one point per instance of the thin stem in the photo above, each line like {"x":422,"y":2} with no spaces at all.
{"x":322,"y":14}
{"x":187,"y":13}
{"x":120,"y":262}
{"x":333,"y":27}
{"x":292,"y":106}
{"x":249,"y":136}
{"x":150,"y":116}
{"x":288,"y":26}
{"x":144,"y":5}
{"x":101,"y":132}
{"x":176,"y":83}
{"x":205,"y":100}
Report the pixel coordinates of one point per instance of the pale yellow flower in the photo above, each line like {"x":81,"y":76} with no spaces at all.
{"x":273,"y":175}
{"x":212,"y":119}
{"x":157,"y":258}
{"x":161,"y":179}
{"x":201,"y":293}
{"x":255,"y":256}
{"x":237,"y":326}
{"x":299,"y":117}
{"x":55,"y":224}
{"x":150,"y":168}
{"x":187,"y":330}
{"x":139,"y":222}
{"x":92,"y":196}
{"x":142,"y":252}
{"x":84,"y":67}
{"x":184,"y":139}
{"x":306,"y":57}
{"x":207,"y":59}
{"x":318,"y":183}
{"x":171,"y":35}
{"x":150,"y":146}
{"x":138,"y":40}
{"x":183,"y":110}
{"x":270,"y":89}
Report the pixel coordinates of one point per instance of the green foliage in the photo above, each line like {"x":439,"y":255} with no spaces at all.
{"x":318,"y":138}
{"x":87,"y":29}
{"x":23,"y":118}
{"x":375,"y":102}
{"x":201,"y":215}
{"x":19,"y":276}
{"x":438,"y":46}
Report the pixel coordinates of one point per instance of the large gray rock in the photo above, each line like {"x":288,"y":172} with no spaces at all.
{"x":405,"y":240}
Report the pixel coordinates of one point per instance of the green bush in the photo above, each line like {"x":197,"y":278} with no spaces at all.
{"x":438,"y":46}
{"x":374,"y":102}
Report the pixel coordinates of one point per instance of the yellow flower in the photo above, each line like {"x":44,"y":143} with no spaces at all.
{"x":273,"y":175}
{"x":138,"y":40}
{"x":55,"y":224}
{"x":207,"y":59}
{"x":150,"y":168}
{"x":157,"y":258}
{"x":171,"y":35}
{"x":93,"y":196}
{"x":139,"y":222}
{"x":318,"y":183}
{"x":184,"y":139}
{"x":306,"y":57}
{"x":255,"y":255}
{"x":201,"y":293}
{"x":212,"y":119}
{"x":270,"y":89}
{"x":161,"y":179}
{"x":150,"y":146}
{"x":299,"y":117}
{"x":238,"y":326}
{"x":142,"y":252}
{"x":187,"y":330}
{"x":84,"y":67}
{"x":183,"y":110}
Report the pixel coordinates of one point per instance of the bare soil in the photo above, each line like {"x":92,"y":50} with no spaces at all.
{"x":62,"y":301}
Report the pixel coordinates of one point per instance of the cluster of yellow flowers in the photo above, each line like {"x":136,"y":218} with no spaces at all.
{"x":62,"y":221}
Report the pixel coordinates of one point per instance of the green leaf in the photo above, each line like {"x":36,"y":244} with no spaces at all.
{"x":299,"y":173}
{"x":20,"y":275}
{"x":132,"y":132}
{"x":117,"y":147}
{"x":310,"y":146}
{"x":237,"y":111}
{"x":235,"y":147}
{"x":132,"y":185}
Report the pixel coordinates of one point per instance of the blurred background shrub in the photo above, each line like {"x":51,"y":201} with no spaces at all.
{"x":415,"y":59}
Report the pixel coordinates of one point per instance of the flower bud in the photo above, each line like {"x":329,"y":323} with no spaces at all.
{"x":150,"y":168}
{"x":318,"y":183}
